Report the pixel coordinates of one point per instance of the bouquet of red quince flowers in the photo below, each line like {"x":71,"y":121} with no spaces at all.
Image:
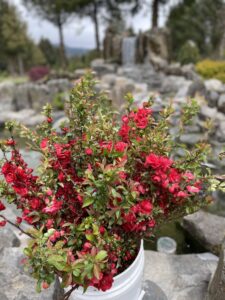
{"x":101,"y":187}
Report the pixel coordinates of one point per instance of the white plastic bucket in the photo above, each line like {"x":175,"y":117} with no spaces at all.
{"x":126,"y":286}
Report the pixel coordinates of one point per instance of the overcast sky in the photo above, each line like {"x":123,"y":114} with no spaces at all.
{"x":80,"y":32}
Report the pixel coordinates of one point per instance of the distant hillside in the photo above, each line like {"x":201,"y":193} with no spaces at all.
{"x":70,"y":51}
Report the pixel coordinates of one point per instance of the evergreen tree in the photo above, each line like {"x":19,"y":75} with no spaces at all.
{"x":201,"y":21}
{"x":13,"y":37}
{"x":50,"y":52}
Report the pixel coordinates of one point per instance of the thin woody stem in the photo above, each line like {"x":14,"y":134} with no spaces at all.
{"x":17,"y":226}
{"x":68,"y":294}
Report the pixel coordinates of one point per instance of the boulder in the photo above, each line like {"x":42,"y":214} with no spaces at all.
{"x":183,"y":91}
{"x":39,"y":95}
{"x":180,"y":277}
{"x":220,"y":133}
{"x":188,"y":71}
{"x":60,"y":85}
{"x":171,"y":84}
{"x":22,"y":96}
{"x":191,"y":138}
{"x":122,"y":86}
{"x":216,"y":290}
{"x":78,"y":73}
{"x":153,"y":291}
{"x":15,"y":284}
{"x":109,"y":79}
{"x":8,"y":238}
{"x":221,"y":103}
{"x":214,"y":85}
{"x":158,"y":62}
{"x":212,"y":98}
{"x":197,"y":88}
{"x":206,"y":228}
{"x":207,"y":112}
{"x":26,"y":116}
{"x":174,"y":69}
{"x":7,"y":92}
{"x":101,"y":68}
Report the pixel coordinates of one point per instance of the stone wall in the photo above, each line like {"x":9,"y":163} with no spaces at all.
{"x":24,"y":102}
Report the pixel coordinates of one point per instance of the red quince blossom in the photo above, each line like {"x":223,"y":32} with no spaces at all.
{"x":193,"y":189}
{"x":3,"y":223}
{"x":106,"y":282}
{"x":145,"y":207}
{"x":44,"y":144}
{"x":2,"y":206}
{"x":120,"y":146}
{"x":89,"y":151}
{"x":53,"y":208}
{"x":158,"y":162}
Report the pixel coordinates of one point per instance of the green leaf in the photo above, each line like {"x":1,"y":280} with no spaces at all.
{"x":90,"y":237}
{"x":95,"y":229}
{"x":38,"y":286}
{"x":101,"y":255}
{"x":87,"y":202}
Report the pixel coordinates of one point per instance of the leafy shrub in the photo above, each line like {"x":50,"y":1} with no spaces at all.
{"x":189,"y":53}
{"x":37,"y":73}
{"x":58,"y":101}
{"x":102,"y":186}
{"x":211,"y":69}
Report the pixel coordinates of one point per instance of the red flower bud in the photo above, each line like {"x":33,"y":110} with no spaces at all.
{"x":2,"y":206}
{"x":3,"y":223}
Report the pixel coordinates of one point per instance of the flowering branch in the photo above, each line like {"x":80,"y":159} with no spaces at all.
{"x":17,"y":226}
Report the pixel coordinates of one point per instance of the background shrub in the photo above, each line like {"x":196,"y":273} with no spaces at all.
{"x":37,"y":73}
{"x":189,"y":53}
{"x":211,"y":69}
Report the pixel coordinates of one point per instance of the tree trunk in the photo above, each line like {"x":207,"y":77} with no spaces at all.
{"x":11,"y":66}
{"x":155,"y":13}
{"x":20,"y":65}
{"x":96,"y":24}
{"x":63,"y":60}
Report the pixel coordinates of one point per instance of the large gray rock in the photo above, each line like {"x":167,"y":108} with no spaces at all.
{"x":56,"y":86}
{"x":220,"y":133}
{"x":208,"y":112}
{"x":15,"y":284}
{"x":191,"y":138}
{"x":101,"y":68}
{"x":122,"y":86}
{"x":171,"y":84}
{"x":28,"y":117}
{"x":214,"y":85}
{"x":188,"y":71}
{"x":208,"y":229}
{"x":181,"y":277}
{"x":7,"y":91}
{"x":221,"y":103}
{"x":8,"y":238}
{"x":216,"y":289}
{"x":197,"y":88}
{"x":212,"y":98}
{"x":23,"y":98}
{"x":153,"y":291}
